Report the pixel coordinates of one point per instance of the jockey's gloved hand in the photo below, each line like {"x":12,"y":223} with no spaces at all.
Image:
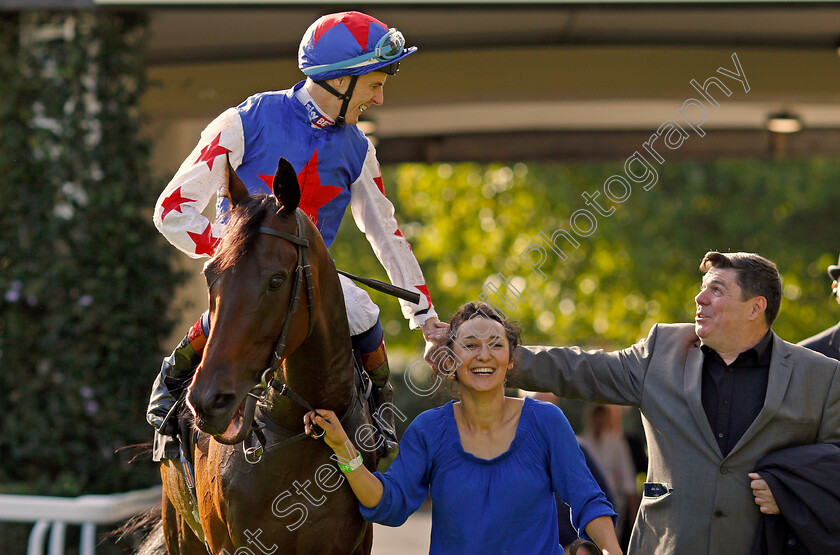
{"x":175,"y":375}
{"x":170,"y":426}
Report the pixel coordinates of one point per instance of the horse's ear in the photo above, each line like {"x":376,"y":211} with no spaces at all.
{"x":236,"y":189}
{"x":286,"y":187}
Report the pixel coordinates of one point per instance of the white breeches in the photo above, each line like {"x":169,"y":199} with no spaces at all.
{"x":362,"y":313}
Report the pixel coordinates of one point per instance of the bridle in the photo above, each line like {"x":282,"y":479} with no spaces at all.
{"x":303,"y":276}
{"x":268,"y":380}
{"x":303,"y":273}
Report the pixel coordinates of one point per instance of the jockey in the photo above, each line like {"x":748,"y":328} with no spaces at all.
{"x":346,"y":58}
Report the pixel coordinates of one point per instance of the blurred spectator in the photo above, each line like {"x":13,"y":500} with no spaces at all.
{"x":603,"y":437}
{"x":828,"y":341}
{"x":564,"y":522}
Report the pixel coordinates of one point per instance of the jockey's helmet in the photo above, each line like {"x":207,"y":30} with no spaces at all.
{"x":350,"y":43}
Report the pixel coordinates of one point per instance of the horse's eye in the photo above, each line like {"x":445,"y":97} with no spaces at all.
{"x":276,"y":281}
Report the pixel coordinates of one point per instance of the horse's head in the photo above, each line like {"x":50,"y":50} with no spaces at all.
{"x":251,"y":279}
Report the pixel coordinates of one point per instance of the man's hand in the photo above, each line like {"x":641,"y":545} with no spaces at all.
{"x":435,"y":333}
{"x":434,"y":330}
{"x":763,"y":496}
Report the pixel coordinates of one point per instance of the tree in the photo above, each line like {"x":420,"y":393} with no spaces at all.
{"x":468,"y":222}
{"x":85,"y":278}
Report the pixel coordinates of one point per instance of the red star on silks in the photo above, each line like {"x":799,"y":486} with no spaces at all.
{"x":173,"y":202}
{"x":313,"y":195}
{"x":378,"y":181}
{"x":398,"y":233}
{"x":269,"y":181}
{"x":204,"y":242}
{"x":425,"y":290}
{"x":209,"y":152}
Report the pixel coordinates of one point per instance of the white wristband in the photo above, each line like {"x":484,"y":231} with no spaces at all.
{"x":352,"y":464}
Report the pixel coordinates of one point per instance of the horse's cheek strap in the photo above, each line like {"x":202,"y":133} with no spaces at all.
{"x":281,"y":342}
{"x":310,"y":299}
{"x":302,"y":272}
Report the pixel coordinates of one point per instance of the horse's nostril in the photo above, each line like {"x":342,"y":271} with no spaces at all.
{"x":222,"y":401}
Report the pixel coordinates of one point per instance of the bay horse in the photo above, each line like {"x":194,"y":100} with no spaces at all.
{"x":271,"y":277}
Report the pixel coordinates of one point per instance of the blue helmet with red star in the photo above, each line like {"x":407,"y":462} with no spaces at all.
{"x":350,"y":43}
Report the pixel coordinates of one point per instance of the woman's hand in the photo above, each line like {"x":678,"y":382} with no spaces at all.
{"x":366,"y":486}
{"x":334,"y":435}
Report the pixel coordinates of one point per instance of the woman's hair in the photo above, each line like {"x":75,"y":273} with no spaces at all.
{"x":471,"y":311}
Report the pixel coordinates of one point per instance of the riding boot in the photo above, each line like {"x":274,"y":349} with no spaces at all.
{"x":176,"y":372}
{"x":382,"y":395}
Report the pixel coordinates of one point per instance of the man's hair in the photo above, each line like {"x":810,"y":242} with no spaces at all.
{"x":755,"y":275}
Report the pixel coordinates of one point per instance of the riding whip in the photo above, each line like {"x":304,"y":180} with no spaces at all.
{"x":386,"y":288}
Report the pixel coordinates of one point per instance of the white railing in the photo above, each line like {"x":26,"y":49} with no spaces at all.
{"x":53,"y":514}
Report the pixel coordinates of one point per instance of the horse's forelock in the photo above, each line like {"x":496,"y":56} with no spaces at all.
{"x":241,"y":231}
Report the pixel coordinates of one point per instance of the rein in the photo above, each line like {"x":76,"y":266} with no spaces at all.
{"x":255,"y":453}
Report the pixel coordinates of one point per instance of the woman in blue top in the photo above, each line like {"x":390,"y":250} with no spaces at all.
{"x":491,"y":463}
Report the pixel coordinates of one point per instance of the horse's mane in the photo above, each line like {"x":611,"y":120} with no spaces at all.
{"x":241,"y":231}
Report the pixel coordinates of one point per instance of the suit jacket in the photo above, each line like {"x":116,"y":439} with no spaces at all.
{"x":711,"y":509}
{"x":826,"y":342}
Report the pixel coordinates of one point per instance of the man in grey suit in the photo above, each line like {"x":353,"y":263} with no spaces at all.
{"x":827,"y":342}
{"x":714,"y":397}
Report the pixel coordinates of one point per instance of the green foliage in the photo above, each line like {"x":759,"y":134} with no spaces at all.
{"x":468,"y":222}
{"x":84,"y":276}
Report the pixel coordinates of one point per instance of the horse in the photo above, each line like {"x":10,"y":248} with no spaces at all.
{"x":279,"y":343}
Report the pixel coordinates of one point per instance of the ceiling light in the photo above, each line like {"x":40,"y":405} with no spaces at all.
{"x":784,"y":122}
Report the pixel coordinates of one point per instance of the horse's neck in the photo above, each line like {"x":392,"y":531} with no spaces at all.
{"x":321,"y":369}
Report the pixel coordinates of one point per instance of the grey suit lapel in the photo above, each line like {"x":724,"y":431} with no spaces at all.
{"x":834,"y":340}
{"x":781,"y":368}
{"x":693,"y":388}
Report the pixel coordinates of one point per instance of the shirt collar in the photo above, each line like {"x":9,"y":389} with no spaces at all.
{"x":762,"y":346}
{"x":317,"y":117}
{"x":758,"y":352}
